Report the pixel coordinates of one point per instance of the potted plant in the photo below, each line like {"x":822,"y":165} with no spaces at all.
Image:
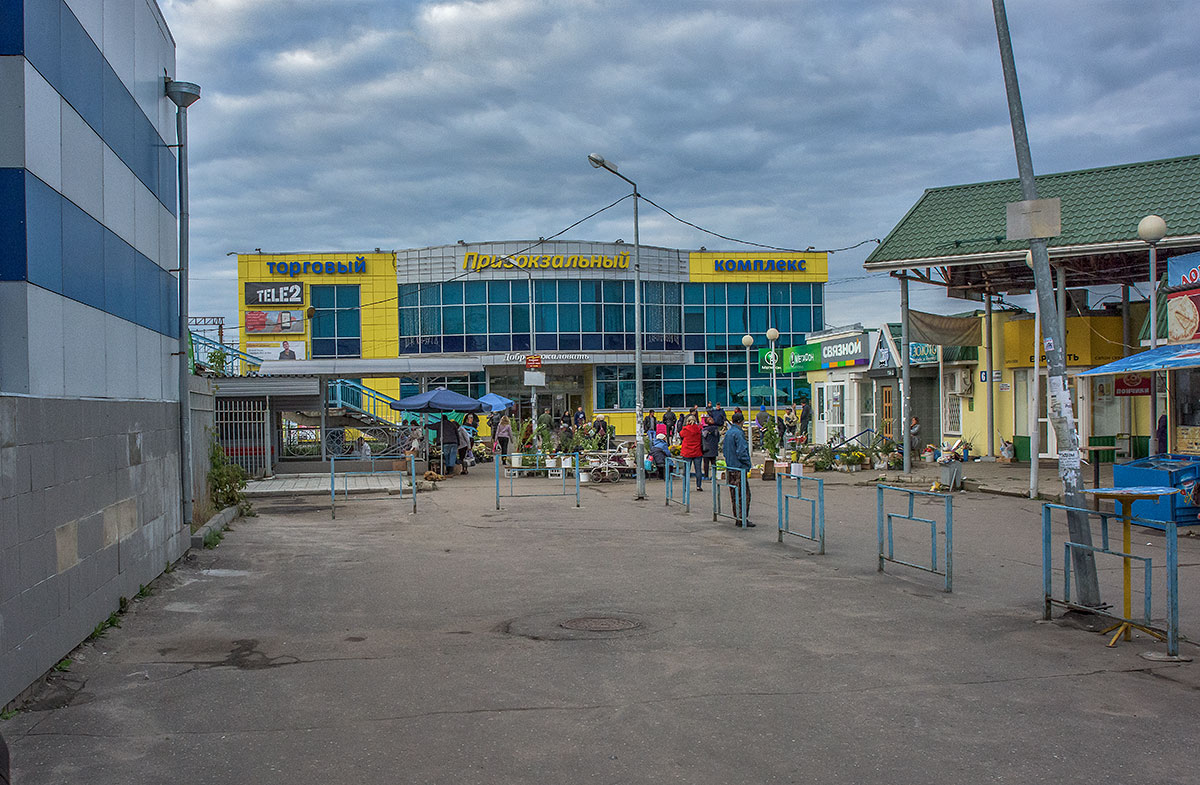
{"x":770,"y":440}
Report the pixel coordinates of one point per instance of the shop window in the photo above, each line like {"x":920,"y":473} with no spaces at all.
{"x":568,"y":291}
{"x":547,"y":342}
{"x":452,"y":320}
{"x":547,"y":318}
{"x":498,"y":319}
{"x":520,"y":342}
{"x":566,"y":342}
{"x":499,"y":343}
{"x":336,"y":324}
{"x":568,"y":318}
{"x":520,"y":320}
{"x":431,"y":345}
{"x":475,"y":292}
{"x":455,"y":343}
{"x":589,"y":318}
{"x":497,"y":291}
{"x":614,"y":342}
{"x":477,"y":343}
{"x":593,"y":342}
{"x":614,"y":319}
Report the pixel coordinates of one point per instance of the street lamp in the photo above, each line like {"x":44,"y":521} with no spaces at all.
{"x":1152,"y":229}
{"x":183,"y":95}
{"x":773,"y":336}
{"x":747,"y":341}
{"x":599,"y":162}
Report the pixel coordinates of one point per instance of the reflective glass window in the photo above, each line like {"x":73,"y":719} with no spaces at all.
{"x":593,"y":342}
{"x":497,"y":291}
{"x":693,"y":294}
{"x":614,"y":318}
{"x":671,"y":293}
{"x":759,"y":318}
{"x":781,"y":294}
{"x":431,"y":294}
{"x":801,"y":293}
{"x":568,"y":291}
{"x":737,"y":320}
{"x":409,"y":295}
{"x":653,"y":291}
{"x":476,"y":319}
{"x":498,"y":319}
{"x":736,"y":293}
{"x":693,"y":319}
{"x":431,"y":321}
{"x":452,"y":293}
{"x":566,"y":342}
{"x":410,"y":323}
{"x":475,"y":292}
{"x":614,"y":292}
{"x":546,"y":291}
{"x":759,"y":293}
{"x":547,"y":318}
{"x":520,"y":321}
{"x":568,"y":317}
{"x":714,"y":293}
{"x":590,"y":292}
{"x":589,"y":318}
{"x":802,"y":319}
{"x":520,"y":291}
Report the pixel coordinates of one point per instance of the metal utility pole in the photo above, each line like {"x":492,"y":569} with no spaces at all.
{"x":1062,"y":415}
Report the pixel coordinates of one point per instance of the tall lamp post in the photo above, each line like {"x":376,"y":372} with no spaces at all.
{"x":599,"y":162}
{"x":1152,"y":229}
{"x":772,"y":337}
{"x":183,"y":95}
{"x":748,"y":341}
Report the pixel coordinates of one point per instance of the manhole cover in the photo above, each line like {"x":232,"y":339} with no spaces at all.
{"x":600,"y":624}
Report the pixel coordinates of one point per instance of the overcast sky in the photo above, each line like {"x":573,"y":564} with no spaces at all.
{"x":354,"y":124}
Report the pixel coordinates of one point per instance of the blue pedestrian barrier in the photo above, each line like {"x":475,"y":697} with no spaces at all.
{"x":677,"y":473}
{"x":816,"y":507}
{"x":527,"y":464}
{"x":884,"y":526}
{"x":1170,"y":529}
{"x":735,"y":483}
{"x":410,"y":475}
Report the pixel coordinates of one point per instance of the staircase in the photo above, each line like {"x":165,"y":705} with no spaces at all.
{"x":217,"y":359}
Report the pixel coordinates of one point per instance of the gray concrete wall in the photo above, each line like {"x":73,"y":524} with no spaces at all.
{"x":89,"y":510}
{"x":203,"y":400}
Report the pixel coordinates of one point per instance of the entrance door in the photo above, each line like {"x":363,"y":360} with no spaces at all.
{"x":1048,"y":439}
{"x":885,"y":405}
{"x":830,"y":423}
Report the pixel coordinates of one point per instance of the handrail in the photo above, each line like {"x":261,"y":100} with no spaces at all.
{"x":229,"y":357}
{"x":844,"y":442}
{"x":347,"y":394}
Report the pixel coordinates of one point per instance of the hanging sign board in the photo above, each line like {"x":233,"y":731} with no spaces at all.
{"x":1033,"y":218}
{"x":535,"y":378}
{"x":533,"y":362}
{"x":1132,"y":384}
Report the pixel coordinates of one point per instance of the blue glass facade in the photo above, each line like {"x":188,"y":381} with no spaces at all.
{"x":596,"y":315}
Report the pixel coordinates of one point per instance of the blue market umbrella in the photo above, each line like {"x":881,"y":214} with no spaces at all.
{"x":498,"y":403}
{"x":439,"y":400}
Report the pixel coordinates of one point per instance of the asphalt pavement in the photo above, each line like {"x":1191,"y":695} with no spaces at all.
{"x":621,"y":642}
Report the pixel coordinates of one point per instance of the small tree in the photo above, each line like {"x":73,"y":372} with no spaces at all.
{"x":770,"y":438}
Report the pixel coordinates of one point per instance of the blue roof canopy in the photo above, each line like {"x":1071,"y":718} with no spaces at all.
{"x":1162,"y":358}
{"x":439,"y":400}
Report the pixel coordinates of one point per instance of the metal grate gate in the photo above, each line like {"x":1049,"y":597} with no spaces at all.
{"x":243,"y":431}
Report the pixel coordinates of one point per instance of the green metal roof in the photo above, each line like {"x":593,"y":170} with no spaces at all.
{"x":1099,"y":206}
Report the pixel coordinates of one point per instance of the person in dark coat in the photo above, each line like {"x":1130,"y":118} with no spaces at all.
{"x":805,"y":417}
{"x":710,"y":444}
{"x":668,"y":419}
{"x":737,"y":456}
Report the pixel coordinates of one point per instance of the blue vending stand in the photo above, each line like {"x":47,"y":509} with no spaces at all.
{"x":1169,"y":470}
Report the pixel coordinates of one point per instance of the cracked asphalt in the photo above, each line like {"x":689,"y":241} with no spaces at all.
{"x":383,"y":647}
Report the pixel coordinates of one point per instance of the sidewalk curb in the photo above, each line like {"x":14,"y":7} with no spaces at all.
{"x":217,"y":523}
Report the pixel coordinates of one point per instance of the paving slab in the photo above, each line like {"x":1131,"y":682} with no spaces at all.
{"x":456,"y":646}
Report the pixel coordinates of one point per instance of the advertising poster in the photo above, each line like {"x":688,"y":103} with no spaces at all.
{"x":274,"y":322}
{"x":277,"y":350}
{"x":1184,"y":270}
{"x":1183,"y":316}
{"x":1132,"y":384}
{"x":274,"y":294}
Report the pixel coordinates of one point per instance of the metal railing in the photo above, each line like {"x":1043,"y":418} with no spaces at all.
{"x":734,"y":480}
{"x":816,"y":508}
{"x":516,"y":464}
{"x":1171,"y":633}
{"x":677,"y":471}
{"x":410,"y":473}
{"x":347,"y":394}
{"x":888,"y":554}
{"x":221,"y":359}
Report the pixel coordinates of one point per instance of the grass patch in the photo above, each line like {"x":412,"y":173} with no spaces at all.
{"x":63,"y":665}
{"x":213,"y":538}
{"x":113,"y":620}
{"x":8,"y":715}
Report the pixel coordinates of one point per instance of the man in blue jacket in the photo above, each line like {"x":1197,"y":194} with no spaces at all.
{"x":737,"y":456}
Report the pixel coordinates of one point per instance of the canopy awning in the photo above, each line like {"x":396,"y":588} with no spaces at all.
{"x":1162,"y":358}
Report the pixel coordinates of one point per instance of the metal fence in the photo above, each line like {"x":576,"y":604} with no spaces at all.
{"x":734,"y":481}
{"x":379,"y":468}
{"x":886,"y":539}
{"x":528,"y":466}
{"x":244,"y":433}
{"x":677,"y":472}
{"x":1169,"y":630}
{"x":816,"y":507}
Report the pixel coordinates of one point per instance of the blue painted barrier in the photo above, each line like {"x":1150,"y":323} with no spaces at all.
{"x":816,"y":508}
{"x":887,"y":554}
{"x":410,"y":474}
{"x":677,"y":471}
{"x":1170,"y":529}
{"x":735,"y":479}
{"x":537,"y":462}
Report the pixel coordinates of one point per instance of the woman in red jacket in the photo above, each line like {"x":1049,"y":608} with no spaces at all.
{"x":690,"y":448}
